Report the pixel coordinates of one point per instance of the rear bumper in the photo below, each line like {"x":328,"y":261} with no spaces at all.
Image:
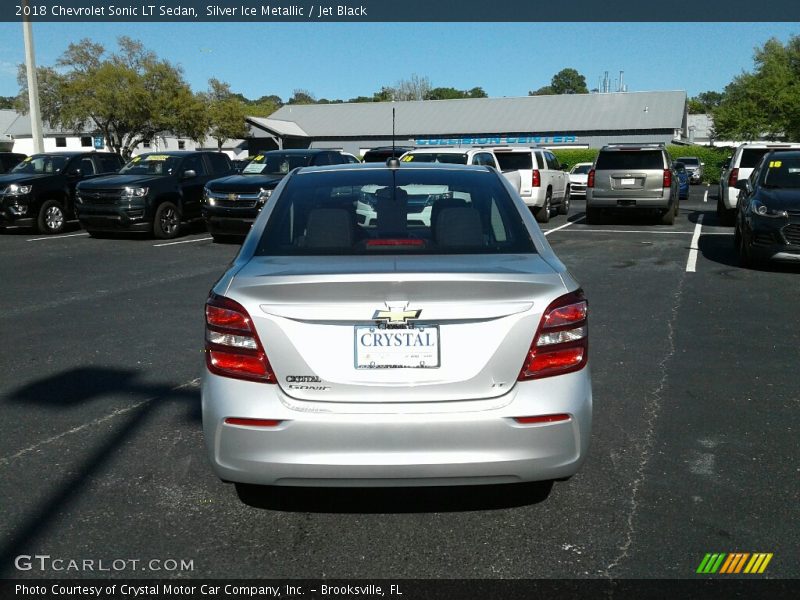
{"x":446,"y":443}
{"x":627,"y":202}
{"x":534,"y":196}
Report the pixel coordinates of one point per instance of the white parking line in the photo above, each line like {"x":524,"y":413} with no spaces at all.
{"x":705,"y":196}
{"x":182,"y":242}
{"x":549,"y":231}
{"x":56,"y":237}
{"x":691,"y":262}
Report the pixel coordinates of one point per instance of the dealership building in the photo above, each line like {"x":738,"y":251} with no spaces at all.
{"x":558,"y":121}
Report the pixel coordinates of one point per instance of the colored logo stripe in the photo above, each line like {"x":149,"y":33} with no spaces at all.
{"x":733,"y":563}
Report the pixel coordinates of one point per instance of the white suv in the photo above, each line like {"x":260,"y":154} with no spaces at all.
{"x":543,"y":182}
{"x":744,"y":160}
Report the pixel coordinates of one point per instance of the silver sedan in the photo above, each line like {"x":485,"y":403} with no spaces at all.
{"x":396,"y":325}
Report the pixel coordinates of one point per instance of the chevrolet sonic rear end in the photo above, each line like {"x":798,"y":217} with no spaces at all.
{"x":396,"y":325}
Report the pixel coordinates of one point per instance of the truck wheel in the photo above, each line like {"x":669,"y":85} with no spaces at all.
{"x":668,"y":218}
{"x":725,"y":215}
{"x":543,"y":212}
{"x":52,"y":217}
{"x":167,"y":221}
{"x":563,"y":208}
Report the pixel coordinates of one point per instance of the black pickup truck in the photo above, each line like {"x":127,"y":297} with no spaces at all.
{"x":40,"y":190}
{"x":153,"y":193}
{"x":231,"y":204}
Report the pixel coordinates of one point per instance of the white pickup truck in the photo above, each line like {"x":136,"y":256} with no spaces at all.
{"x":543,"y":183}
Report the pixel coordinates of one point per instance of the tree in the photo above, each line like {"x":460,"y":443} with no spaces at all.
{"x":129,"y":96}
{"x":766,"y":102}
{"x":7,"y":102}
{"x":566,"y":81}
{"x":415,"y":88}
{"x":225,"y":113}
{"x":264,"y":106}
{"x":301,"y":96}
{"x":449,"y":93}
{"x":704,"y":102}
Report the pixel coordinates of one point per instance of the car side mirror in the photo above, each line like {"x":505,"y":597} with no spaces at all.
{"x":189,"y":174}
{"x":75,"y":173}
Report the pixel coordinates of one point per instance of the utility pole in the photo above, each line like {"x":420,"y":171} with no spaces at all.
{"x":33,"y":85}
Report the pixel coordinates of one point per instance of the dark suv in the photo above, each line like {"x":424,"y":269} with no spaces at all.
{"x":633,"y":177}
{"x":231,"y":204}
{"x":153,"y":193}
{"x":40,"y":190}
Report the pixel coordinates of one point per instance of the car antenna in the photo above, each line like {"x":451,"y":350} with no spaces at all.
{"x":392,"y":161}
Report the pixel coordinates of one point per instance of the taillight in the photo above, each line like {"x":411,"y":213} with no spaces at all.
{"x":590,"y":179}
{"x":232,"y":345}
{"x":667,"y":178}
{"x":561,"y":343}
{"x":536,"y":178}
{"x":733,"y":177}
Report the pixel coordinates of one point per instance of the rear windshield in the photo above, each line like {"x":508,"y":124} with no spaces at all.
{"x":408,"y":211}
{"x":692,"y":162}
{"x":510,"y":161}
{"x":276,"y":163}
{"x":452,"y":158}
{"x":751,"y":157}
{"x":626,"y":160}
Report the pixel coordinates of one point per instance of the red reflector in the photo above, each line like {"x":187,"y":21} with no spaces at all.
{"x":396,"y":242}
{"x":239,"y":363}
{"x":590,"y":179}
{"x":733,"y":177}
{"x":556,"y":360}
{"x":565,"y":315}
{"x":536,"y":178}
{"x":223,"y":317}
{"x":542,"y":419}
{"x":252,"y":422}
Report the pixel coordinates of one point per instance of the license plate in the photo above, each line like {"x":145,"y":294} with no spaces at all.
{"x":401,"y":348}
{"x":627,"y":181}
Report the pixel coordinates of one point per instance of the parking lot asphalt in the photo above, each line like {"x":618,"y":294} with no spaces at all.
{"x":694,"y":445}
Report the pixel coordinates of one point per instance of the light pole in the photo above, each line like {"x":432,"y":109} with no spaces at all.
{"x":33,"y":85}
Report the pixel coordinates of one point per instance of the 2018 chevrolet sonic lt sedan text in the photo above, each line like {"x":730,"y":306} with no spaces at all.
{"x":396,"y":325}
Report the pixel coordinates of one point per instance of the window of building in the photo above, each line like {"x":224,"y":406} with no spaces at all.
{"x":181,"y":145}
{"x":86,"y":141}
{"x":61,"y":142}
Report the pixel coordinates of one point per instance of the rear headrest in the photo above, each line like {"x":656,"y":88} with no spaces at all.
{"x":459,"y":226}
{"x":329,"y":228}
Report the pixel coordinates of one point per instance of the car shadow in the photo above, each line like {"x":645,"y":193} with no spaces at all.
{"x":394,"y":500}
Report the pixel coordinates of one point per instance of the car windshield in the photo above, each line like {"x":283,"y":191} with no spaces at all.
{"x":628,"y":160}
{"x":453,"y":158}
{"x":782,"y":172}
{"x":384,"y":211}
{"x":581,"y":169}
{"x":690,"y":162}
{"x":277,"y":163}
{"x":151,"y":164}
{"x":41,"y":164}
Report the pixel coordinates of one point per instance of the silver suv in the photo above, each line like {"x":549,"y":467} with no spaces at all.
{"x":632,"y":177}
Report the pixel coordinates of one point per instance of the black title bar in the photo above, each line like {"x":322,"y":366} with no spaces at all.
{"x":357,"y":11}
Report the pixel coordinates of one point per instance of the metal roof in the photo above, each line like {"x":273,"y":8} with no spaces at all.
{"x":562,"y":113}
{"x":278,"y":126}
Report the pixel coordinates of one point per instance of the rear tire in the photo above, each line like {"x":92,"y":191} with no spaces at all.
{"x":167,"y":221}
{"x":668,"y":218}
{"x":563,"y":208}
{"x":725,"y":215}
{"x":52,"y":218}
{"x":542,"y":213}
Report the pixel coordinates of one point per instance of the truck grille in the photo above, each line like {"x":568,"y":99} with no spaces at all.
{"x":792,"y":234}
{"x":234,"y":199}
{"x":100,"y":197}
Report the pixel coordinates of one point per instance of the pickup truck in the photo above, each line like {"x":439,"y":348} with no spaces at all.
{"x":40,"y":190}
{"x":153,"y":193}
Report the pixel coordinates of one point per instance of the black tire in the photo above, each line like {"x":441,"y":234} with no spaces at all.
{"x":167,"y":221}
{"x":542,"y":213}
{"x":563,"y":208}
{"x":668,"y":217}
{"x":52,"y":218}
{"x":592,"y":215}
{"x":725,"y":215}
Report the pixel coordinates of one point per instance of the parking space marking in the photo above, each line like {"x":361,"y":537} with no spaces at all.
{"x":194,"y":383}
{"x":56,"y":237}
{"x":691,"y":262}
{"x":182,"y":242}
{"x":549,"y":231}
{"x":705,"y":196}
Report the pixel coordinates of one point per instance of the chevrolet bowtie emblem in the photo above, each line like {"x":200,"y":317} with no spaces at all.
{"x":395,"y":315}
{"x":233,"y":197}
